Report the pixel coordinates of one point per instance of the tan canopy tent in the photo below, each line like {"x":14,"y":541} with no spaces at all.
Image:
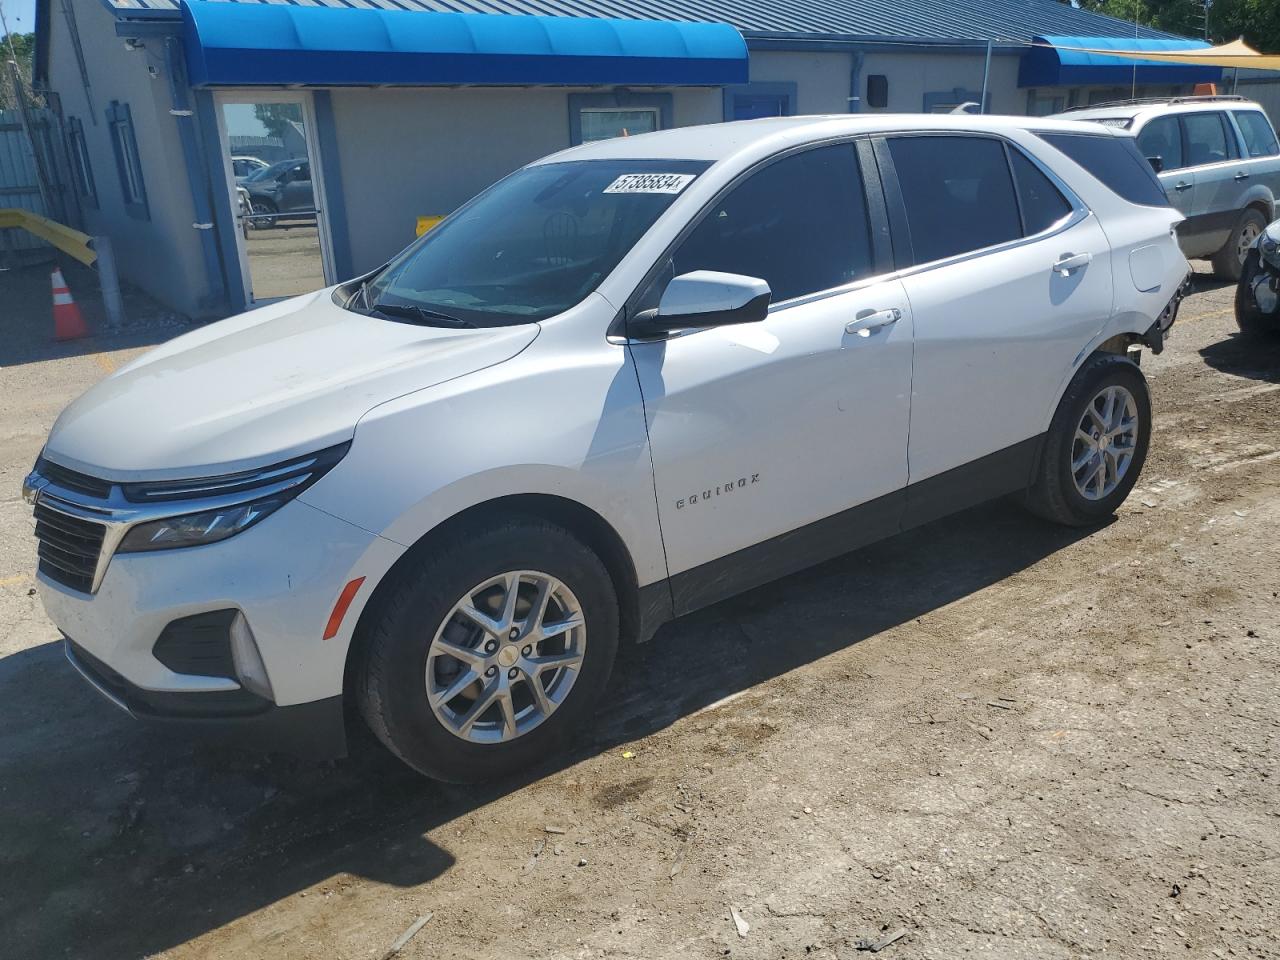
{"x":1237,"y":53}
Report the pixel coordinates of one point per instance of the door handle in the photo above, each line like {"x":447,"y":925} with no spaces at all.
{"x":1068,"y":262}
{"x":1242,"y":175}
{"x":868,"y":320}
{"x":1182,"y":185}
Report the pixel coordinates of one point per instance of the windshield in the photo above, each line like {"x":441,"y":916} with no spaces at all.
{"x":531,"y":246}
{"x":271,"y":172}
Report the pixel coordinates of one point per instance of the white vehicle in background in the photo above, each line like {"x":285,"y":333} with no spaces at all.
{"x":1219,"y":162}
{"x":627,"y":381}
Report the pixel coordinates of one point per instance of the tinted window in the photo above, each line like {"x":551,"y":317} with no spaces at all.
{"x":534,"y":244}
{"x":1259,"y":138}
{"x":1206,"y":139}
{"x":1116,"y":161}
{"x":1042,"y":203}
{"x":800,"y":223}
{"x":958,"y":194}
{"x":1162,"y":138}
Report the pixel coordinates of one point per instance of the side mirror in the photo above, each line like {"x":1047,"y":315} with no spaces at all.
{"x":1157,"y":164}
{"x":705,"y":298}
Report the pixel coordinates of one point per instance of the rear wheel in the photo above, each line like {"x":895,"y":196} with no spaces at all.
{"x":1096,"y":444}
{"x":1229,"y":261}
{"x":490,"y":654}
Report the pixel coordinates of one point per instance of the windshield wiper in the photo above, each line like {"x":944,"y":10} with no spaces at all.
{"x":411,"y":311}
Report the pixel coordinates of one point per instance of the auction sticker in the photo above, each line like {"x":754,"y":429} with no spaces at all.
{"x":650,"y":183}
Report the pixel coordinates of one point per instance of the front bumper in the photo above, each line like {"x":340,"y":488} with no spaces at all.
{"x":316,"y":729}
{"x":282,"y":575}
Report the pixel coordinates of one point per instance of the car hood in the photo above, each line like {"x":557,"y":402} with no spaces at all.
{"x":277,"y":382}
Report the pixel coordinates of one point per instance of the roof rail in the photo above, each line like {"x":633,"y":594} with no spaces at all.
{"x":1143,"y":101}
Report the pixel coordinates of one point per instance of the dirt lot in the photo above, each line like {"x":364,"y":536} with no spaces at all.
{"x":1002,"y":738}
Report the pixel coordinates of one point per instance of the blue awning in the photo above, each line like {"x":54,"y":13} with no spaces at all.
{"x":1052,"y":62}
{"x":240,"y":44}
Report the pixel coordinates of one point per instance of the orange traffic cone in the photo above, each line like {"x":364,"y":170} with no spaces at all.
{"x":68,"y":324}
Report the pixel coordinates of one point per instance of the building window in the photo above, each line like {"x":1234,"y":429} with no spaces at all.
{"x":605,"y":123}
{"x":947,"y":101}
{"x":602,"y":116}
{"x":128,"y":163}
{"x":1043,"y":104}
{"x":748,"y":101}
{"x":81,"y":168}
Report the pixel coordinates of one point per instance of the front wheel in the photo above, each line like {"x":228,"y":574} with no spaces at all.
{"x":1250,"y":317}
{"x":1096,"y":444}
{"x":487,"y":656}
{"x":264,"y":214}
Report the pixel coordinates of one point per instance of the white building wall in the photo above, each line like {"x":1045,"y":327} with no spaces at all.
{"x":407,"y":153}
{"x":161,"y":255}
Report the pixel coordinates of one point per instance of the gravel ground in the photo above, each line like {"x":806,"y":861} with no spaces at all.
{"x":992,"y":736}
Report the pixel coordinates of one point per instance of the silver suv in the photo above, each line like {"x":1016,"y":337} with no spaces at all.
{"x":1219,"y":162}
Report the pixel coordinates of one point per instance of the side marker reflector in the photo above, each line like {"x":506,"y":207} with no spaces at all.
{"x":340,"y":608}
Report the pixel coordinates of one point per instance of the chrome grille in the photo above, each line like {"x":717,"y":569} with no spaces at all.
{"x":69,"y":547}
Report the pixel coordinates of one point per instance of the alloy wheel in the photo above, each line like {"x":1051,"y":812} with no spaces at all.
{"x":1105,"y":441}
{"x":506,"y":656}
{"x":1248,"y":234}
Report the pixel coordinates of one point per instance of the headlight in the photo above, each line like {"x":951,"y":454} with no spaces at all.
{"x":193,"y":529}
{"x":1269,"y":244}
{"x":232,"y":503}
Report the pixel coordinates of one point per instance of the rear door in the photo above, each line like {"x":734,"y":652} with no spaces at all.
{"x":778,"y":444}
{"x":1161,"y":139}
{"x":1011,"y":279}
{"x":1260,"y":164}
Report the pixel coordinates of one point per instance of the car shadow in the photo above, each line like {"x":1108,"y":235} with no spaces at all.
{"x":1253,"y":357}
{"x":121,"y":839}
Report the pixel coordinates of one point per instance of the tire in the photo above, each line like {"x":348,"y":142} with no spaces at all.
{"x":1055,"y":493}
{"x":262,"y":208}
{"x":1229,"y":261}
{"x":1252,"y":321}
{"x":406,"y":651}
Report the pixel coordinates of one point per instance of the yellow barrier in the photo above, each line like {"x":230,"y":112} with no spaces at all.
{"x":426,"y":223}
{"x":71,"y":242}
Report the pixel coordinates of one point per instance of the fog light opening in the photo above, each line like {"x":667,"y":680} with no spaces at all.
{"x":250,"y":670}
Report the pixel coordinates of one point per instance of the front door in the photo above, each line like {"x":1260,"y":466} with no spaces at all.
{"x":767,"y":437}
{"x":281,"y":233}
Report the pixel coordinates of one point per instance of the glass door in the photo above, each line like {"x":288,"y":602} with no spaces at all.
{"x":268,"y":143}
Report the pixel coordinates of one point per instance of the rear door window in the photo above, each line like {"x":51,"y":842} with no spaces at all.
{"x":1205,"y":139}
{"x":1116,"y":161}
{"x":1162,"y":138}
{"x":799,"y":223}
{"x":1259,"y":138}
{"x":958,"y":194}
{"x":1042,"y":203}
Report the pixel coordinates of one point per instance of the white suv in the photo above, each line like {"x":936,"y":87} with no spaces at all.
{"x":1219,"y":162}
{"x":625,"y":382}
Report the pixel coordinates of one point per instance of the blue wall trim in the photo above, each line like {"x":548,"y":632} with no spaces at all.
{"x":197,"y":179}
{"x":1050,"y":66}
{"x":335,"y":205}
{"x":248,"y":44}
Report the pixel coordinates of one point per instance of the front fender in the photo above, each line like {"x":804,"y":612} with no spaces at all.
{"x":564,"y":418}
